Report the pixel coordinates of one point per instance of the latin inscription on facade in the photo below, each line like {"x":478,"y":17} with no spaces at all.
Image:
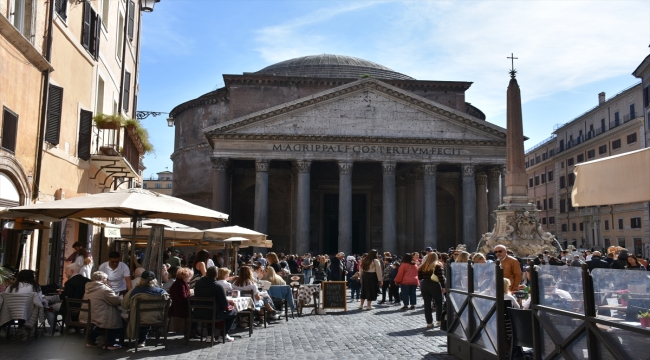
{"x":367,"y":149}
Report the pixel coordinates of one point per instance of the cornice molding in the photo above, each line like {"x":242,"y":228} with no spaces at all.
{"x":355,"y":139}
{"x":358,"y":86}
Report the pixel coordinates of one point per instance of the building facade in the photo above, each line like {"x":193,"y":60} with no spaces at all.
{"x":615,"y":126}
{"x":332,"y":153}
{"x":161,"y":184}
{"x":62,"y":64}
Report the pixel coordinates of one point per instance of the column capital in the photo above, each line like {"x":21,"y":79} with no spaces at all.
{"x":481,"y":178}
{"x":468,"y":170}
{"x":303,"y":166}
{"x":345,"y":167}
{"x":262,"y":165}
{"x":388,"y":167}
{"x":494,"y":173}
{"x":220,"y":164}
{"x":430,"y":168}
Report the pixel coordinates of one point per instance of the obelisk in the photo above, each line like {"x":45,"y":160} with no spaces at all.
{"x":516,"y":192}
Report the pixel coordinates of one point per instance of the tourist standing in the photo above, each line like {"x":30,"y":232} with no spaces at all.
{"x":371,"y":276}
{"x":407,"y":279}
{"x":510,"y":266}
{"x":432,"y":275}
{"x":386,"y":280}
{"x":307,"y":266}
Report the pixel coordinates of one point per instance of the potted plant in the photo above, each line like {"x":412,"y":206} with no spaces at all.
{"x":623,"y":296}
{"x":104,"y":121}
{"x":644,"y":318}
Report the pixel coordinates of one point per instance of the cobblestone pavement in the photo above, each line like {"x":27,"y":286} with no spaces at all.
{"x":384,"y":333}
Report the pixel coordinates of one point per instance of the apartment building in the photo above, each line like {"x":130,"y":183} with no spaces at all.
{"x":613,"y":127}
{"x":161,"y":184}
{"x":63,"y":65}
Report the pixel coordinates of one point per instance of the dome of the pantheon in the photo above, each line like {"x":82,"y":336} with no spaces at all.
{"x":331,"y":66}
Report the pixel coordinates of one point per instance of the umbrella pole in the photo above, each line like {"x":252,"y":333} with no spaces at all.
{"x":135,"y":225}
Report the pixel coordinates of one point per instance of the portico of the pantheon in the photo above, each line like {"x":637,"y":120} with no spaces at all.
{"x":332,"y":153}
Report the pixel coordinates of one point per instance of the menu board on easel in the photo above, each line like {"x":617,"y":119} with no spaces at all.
{"x":334,"y":295}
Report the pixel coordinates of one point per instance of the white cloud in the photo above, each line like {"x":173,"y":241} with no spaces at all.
{"x":561,"y":45}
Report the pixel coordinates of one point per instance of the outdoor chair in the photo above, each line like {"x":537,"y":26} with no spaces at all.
{"x":262,"y":311}
{"x":74,"y":308}
{"x":522,"y":329}
{"x":152,"y":306}
{"x":208,"y":305}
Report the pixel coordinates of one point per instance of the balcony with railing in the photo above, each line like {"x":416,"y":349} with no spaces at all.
{"x":117,"y":152}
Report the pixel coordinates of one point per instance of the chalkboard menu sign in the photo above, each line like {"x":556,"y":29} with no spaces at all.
{"x":334,"y":295}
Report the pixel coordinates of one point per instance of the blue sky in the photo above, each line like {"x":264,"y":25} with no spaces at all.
{"x":568,"y":51}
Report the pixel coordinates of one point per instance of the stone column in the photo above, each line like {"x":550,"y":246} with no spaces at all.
{"x":418,"y":201}
{"x":302,"y":207}
{"x":345,"y":207}
{"x":401,"y":215}
{"x":261,"y":213}
{"x":221,"y":186}
{"x":482,"y":211}
{"x":469,"y":208}
{"x":409,"y":244}
{"x":503,"y":183}
{"x":389,"y":218}
{"x":430,"y":207}
{"x":494,"y":197}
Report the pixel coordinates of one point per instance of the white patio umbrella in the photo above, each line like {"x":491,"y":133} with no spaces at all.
{"x":132,"y":203}
{"x":251,"y":238}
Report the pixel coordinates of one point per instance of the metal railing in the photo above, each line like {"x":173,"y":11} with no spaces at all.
{"x":541,"y":143}
{"x":116,"y":142}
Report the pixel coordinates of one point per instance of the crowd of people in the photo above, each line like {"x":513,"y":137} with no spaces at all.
{"x":369,"y":276}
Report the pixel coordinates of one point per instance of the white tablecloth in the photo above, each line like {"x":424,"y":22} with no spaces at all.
{"x":242,"y":303}
{"x":305,"y":293}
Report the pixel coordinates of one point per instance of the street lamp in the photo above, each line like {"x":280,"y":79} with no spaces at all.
{"x":147,"y":5}
{"x":170,"y":121}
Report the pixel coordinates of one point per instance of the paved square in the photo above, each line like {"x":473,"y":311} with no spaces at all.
{"x":384,"y":333}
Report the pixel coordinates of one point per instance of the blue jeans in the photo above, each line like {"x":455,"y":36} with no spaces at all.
{"x":307,"y":273}
{"x":408,"y":293}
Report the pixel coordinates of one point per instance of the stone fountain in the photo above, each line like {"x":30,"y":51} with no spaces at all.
{"x":517,"y":226}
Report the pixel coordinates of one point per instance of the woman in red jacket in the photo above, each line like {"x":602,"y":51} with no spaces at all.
{"x":407,"y":279}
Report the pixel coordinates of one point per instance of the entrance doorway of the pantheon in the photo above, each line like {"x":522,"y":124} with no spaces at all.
{"x":331,"y":223}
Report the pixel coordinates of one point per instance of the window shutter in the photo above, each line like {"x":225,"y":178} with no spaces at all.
{"x":60,"y":6}
{"x":95,"y":35}
{"x":54,"y":105}
{"x":127,"y":90}
{"x":131,"y":20}
{"x":85,"y":134}
{"x":9,"y":130}
{"x":86,"y":30}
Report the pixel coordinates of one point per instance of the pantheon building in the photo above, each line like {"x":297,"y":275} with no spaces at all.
{"x":333,"y":153}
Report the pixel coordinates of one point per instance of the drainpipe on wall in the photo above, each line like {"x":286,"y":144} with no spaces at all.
{"x":46,"y":93}
{"x":124,"y":40}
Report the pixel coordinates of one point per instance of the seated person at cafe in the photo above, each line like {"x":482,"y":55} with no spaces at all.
{"x":180,"y":293}
{"x":74,"y":288}
{"x":223,"y":275}
{"x":171,"y":277}
{"x":245,"y":282}
{"x":272,"y":277}
{"x":146,"y":289}
{"x":553,"y":296}
{"x":208,"y":287}
{"x":103,"y":311}
{"x":507,"y":295}
{"x":119,"y":275}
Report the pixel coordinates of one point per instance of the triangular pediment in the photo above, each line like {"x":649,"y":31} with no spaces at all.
{"x":367,"y":108}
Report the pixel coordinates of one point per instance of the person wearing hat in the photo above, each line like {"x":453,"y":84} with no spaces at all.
{"x":146,"y":289}
{"x":174,"y":260}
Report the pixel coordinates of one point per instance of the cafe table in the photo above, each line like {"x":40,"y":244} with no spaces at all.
{"x":242,"y":303}
{"x":305,"y":295}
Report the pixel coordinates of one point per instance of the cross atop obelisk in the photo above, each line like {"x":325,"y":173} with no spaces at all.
{"x":513,"y":72}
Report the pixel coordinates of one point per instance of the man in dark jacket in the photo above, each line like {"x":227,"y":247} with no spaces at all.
{"x":208,"y":287}
{"x":337,"y":268}
{"x":74,"y":288}
{"x":621,"y":261}
{"x":597,"y":262}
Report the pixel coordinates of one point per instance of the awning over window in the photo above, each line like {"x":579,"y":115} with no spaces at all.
{"x":617,"y":179}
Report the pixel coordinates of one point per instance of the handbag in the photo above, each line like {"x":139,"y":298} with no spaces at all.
{"x":434,"y":277}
